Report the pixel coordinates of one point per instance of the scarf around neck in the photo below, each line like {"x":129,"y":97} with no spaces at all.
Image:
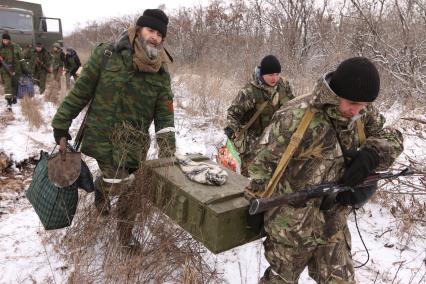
{"x":141,"y":60}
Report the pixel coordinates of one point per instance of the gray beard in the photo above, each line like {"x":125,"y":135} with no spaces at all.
{"x":152,"y":51}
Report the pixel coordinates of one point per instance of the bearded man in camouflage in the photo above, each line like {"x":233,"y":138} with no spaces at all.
{"x":266,"y":85}
{"x":130,"y":91}
{"x":317,"y":235}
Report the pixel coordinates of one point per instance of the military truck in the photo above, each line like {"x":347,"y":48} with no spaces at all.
{"x":26,"y":24}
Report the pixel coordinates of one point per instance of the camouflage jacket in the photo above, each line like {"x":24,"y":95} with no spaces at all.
{"x":12,"y":56}
{"x":125,"y":103}
{"x":39,"y":61}
{"x":250,"y":98}
{"x":319,"y":157}
{"x":58,"y":60}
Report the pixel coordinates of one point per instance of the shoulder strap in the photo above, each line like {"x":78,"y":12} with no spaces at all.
{"x":79,"y":137}
{"x":361,"y":131}
{"x":288,"y":153}
{"x":252,"y":120}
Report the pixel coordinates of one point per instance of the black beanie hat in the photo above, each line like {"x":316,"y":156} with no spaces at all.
{"x":270,"y":65}
{"x":356,"y":79}
{"x":5,"y":36}
{"x":155,"y":19}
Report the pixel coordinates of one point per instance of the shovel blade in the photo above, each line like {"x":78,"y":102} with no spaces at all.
{"x":64,"y":172}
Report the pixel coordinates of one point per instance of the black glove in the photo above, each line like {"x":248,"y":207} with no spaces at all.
{"x":59,"y":133}
{"x":229,"y":132}
{"x":358,"y":197}
{"x":362,"y":164}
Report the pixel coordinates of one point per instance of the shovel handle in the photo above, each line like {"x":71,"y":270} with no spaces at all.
{"x":63,"y":148}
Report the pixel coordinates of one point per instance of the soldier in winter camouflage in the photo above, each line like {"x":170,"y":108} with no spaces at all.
{"x":11,"y":61}
{"x":40,"y":66}
{"x":265,"y":86}
{"x":317,"y":235}
{"x":129,"y":90}
{"x":58,"y":61}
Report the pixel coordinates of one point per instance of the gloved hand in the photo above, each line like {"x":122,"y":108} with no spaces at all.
{"x":363,"y":163}
{"x":229,"y":132}
{"x":59,"y":133}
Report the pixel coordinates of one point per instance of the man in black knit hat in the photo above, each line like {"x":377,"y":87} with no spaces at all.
{"x":344,"y":142}
{"x":129,"y":83}
{"x":266,"y":88}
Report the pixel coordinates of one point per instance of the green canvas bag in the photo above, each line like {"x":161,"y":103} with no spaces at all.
{"x":54,"y":206}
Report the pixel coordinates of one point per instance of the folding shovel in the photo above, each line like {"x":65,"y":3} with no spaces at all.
{"x":64,"y":167}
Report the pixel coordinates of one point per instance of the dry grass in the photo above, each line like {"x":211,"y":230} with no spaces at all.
{"x":167,"y":252}
{"x":210,"y":92}
{"x":52,"y":91}
{"x":30,"y":108}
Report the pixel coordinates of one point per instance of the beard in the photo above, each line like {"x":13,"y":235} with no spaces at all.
{"x":153,"y":51}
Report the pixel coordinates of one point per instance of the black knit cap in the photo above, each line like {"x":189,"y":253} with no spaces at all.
{"x":356,"y":79}
{"x":155,"y":19}
{"x":5,"y":36}
{"x":270,"y":65}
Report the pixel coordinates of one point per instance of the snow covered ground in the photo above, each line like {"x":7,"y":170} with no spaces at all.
{"x":28,"y":255}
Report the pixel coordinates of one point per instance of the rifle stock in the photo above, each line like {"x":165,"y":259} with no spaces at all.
{"x":298,"y":199}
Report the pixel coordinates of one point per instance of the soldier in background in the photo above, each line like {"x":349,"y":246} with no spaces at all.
{"x":11,"y":62}
{"x":266,"y":85}
{"x":72,"y":63}
{"x":40,"y":66}
{"x":58,"y":62}
{"x":130,"y":86}
{"x":345,"y":142}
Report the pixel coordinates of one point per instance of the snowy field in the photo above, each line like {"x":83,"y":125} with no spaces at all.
{"x":27,"y":253}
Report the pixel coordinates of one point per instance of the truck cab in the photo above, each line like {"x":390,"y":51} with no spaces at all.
{"x":26,"y":24}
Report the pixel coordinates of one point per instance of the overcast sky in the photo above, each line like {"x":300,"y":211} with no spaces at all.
{"x":73,"y":12}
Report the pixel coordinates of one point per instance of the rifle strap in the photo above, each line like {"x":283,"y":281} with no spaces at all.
{"x":252,"y":120}
{"x":288,"y":153}
{"x":361,"y":131}
{"x":107,"y":54}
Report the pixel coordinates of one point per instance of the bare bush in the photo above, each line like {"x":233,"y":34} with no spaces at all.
{"x":166,"y":252}
{"x":30,"y":108}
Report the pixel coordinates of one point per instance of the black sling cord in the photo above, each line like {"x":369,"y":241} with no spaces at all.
{"x":353,"y":208}
{"x":365,"y":247}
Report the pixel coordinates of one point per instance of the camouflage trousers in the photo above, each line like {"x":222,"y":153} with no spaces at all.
{"x":40,"y":80}
{"x":127,"y":203}
{"x":306,"y":237}
{"x":10,"y":85}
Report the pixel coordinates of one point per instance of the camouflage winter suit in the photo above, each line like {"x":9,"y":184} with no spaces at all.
{"x":40,"y":64}
{"x":126,"y":101}
{"x":245,"y":105}
{"x":300,"y":237}
{"x":58,"y":62}
{"x":12,"y":57}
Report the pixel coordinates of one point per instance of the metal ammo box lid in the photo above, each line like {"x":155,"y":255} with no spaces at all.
{"x":214,"y":215}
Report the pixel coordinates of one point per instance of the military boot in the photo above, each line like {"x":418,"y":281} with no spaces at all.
{"x":9,"y":104}
{"x":101,"y":198}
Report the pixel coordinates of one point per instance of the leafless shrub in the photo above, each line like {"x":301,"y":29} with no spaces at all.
{"x":167,"y":252}
{"x":52,"y":92}
{"x":31,"y":110}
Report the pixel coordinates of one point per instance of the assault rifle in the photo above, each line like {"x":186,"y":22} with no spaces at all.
{"x":6,"y":67}
{"x":298,"y":199}
{"x":40,"y":63}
